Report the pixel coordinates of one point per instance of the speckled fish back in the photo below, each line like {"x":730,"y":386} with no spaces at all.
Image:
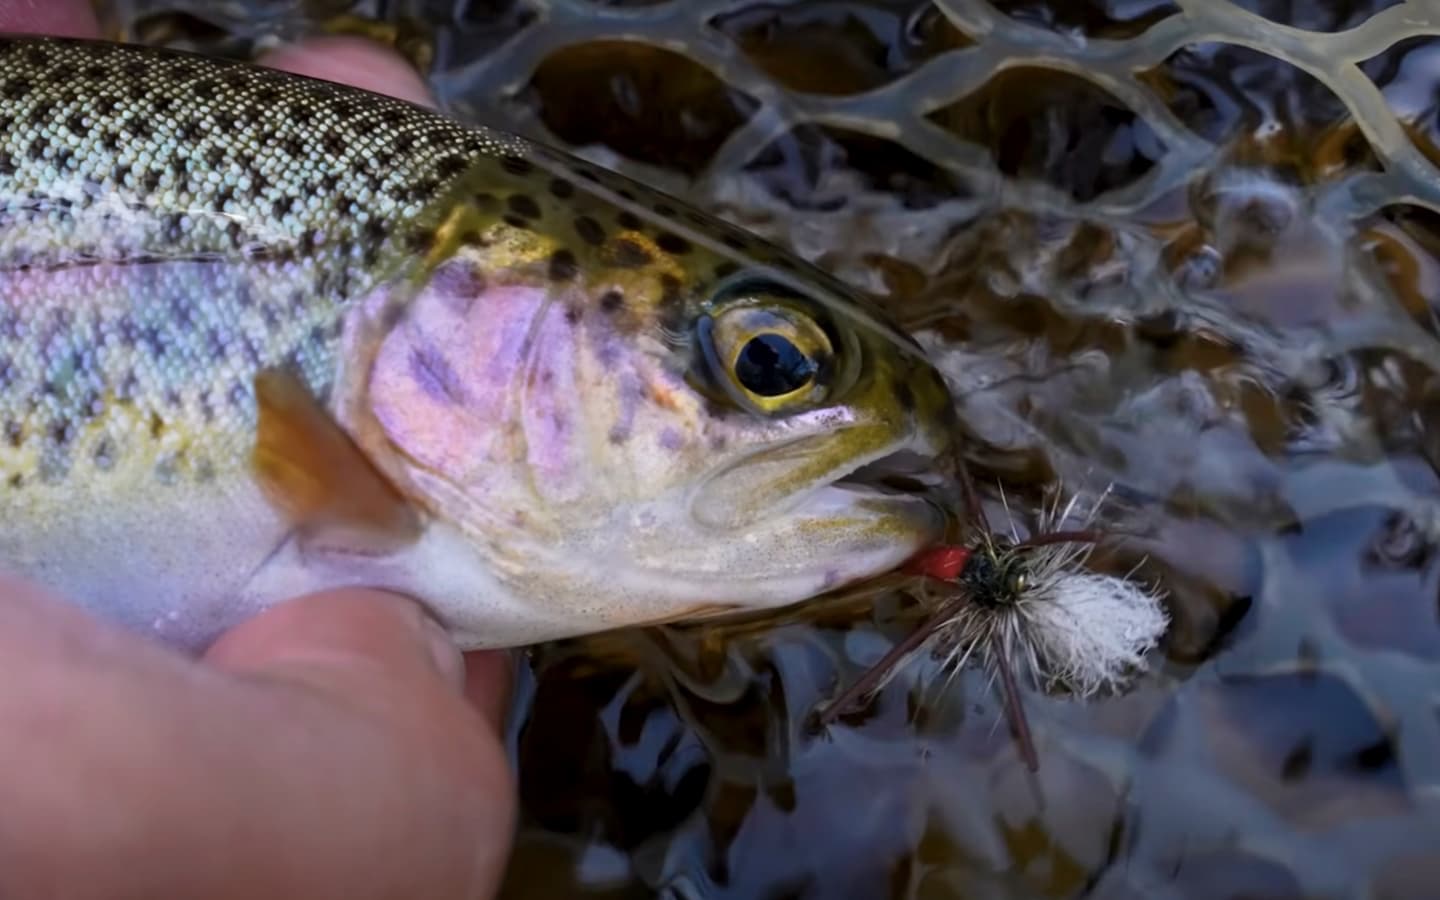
{"x":170,"y":225}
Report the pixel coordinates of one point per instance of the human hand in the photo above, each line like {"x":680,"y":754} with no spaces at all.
{"x":335,"y":746}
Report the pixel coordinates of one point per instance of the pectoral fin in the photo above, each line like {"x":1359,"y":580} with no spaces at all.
{"x":314,"y":473}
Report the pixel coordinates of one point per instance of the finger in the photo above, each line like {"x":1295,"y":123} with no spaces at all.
{"x":60,"y":18}
{"x":353,"y":61}
{"x":349,"y":641}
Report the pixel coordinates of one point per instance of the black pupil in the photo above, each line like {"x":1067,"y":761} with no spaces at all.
{"x":771,"y":366}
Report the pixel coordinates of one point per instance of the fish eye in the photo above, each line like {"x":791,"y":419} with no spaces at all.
{"x":1018,"y":582}
{"x":767,"y":352}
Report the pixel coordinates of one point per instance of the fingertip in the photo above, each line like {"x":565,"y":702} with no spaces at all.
{"x":354,"y":61}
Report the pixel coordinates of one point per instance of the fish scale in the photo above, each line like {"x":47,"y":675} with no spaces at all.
{"x":271,"y":334}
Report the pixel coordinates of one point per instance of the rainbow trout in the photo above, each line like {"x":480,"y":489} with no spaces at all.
{"x":262,"y":335}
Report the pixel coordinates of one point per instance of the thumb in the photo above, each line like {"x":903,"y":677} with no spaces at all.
{"x":362,"y":644}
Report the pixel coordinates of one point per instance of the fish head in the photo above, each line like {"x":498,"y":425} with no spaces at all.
{"x":641,"y":414}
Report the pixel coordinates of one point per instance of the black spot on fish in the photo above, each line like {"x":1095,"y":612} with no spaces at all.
{"x":76,"y":123}
{"x":111,"y":141}
{"x":374,"y":230}
{"x":61,"y":431}
{"x":17,"y":480}
{"x":726,"y":269}
{"x":524,"y":205}
{"x":450,"y":166}
{"x":36,"y":57}
{"x":665,"y":209}
{"x":205,"y":90}
{"x":516,"y":165}
{"x":563,"y":265}
{"x":628,"y":221}
{"x":14,"y":433}
{"x":180,"y":72}
{"x":135,"y":69}
{"x":36,"y":150}
{"x":485,"y":202}
{"x":589,"y":230}
{"x":630,"y":255}
{"x":734,"y":242}
{"x":561,"y":188}
{"x":673,"y":244}
{"x":214,"y":156}
{"x":612,"y":301}
{"x":281,"y":206}
{"x":515,"y":221}
{"x":151,"y":181}
{"x":15,"y":88}
{"x":294,"y":146}
{"x":573,"y":314}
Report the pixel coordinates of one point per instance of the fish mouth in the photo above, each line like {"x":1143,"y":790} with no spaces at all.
{"x":903,"y":472}
{"x":898,"y":480}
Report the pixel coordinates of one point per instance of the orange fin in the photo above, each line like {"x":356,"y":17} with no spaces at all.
{"x":314,"y":473}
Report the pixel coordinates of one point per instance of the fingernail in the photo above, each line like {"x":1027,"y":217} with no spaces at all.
{"x":445,"y":656}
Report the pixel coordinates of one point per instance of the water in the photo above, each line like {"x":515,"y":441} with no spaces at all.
{"x":1164,"y":245}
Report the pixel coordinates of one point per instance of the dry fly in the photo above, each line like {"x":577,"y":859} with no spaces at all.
{"x":1026,"y":604}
